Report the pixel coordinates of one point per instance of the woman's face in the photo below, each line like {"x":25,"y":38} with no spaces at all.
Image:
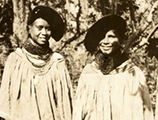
{"x":40,"y":31}
{"x":110,"y":44}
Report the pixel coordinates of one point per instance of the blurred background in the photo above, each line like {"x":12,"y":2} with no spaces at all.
{"x":79,"y":15}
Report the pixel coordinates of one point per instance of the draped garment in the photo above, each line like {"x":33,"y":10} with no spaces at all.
{"x":120,"y":95}
{"x":35,"y":89}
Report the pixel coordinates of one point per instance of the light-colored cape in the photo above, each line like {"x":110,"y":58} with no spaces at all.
{"x":120,"y":95}
{"x":34,"y":89}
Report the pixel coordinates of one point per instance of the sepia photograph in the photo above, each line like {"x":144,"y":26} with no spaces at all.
{"x":78,"y":60}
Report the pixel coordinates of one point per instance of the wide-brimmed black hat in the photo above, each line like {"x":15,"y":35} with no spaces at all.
{"x":98,"y":30}
{"x":52,"y":17}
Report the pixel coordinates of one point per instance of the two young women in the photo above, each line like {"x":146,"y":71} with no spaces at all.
{"x":36,"y":84}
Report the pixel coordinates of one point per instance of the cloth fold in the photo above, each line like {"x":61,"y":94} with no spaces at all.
{"x":120,"y":95}
{"x":35,"y":92}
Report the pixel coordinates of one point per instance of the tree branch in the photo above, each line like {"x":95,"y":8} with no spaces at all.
{"x":136,"y":34}
{"x":78,"y":32}
{"x":72,"y":39}
{"x":152,"y":32}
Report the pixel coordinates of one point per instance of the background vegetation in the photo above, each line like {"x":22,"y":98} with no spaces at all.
{"x":79,"y":15}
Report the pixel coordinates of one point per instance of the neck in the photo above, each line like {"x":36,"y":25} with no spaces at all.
{"x":35,"y":48}
{"x":119,"y":59}
{"x":107,"y":64}
{"x":44,"y":46}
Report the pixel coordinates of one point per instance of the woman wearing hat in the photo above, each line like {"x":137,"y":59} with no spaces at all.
{"x":36,"y":83}
{"x":111,"y":87}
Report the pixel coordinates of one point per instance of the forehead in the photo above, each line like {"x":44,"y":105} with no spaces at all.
{"x":113,"y":32}
{"x":40,"y":21}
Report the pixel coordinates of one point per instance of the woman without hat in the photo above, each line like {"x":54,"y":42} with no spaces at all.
{"x":36,"y":83}
{"x":111,"y":87}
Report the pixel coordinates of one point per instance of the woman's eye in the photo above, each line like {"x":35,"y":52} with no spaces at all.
{"x":112,"y":36}
{"x":48,"y":28}
{"x":39,"y":27}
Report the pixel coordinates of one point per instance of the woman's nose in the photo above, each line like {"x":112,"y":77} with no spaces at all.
{"x":44,"y":31}
{"x":105,"y":41}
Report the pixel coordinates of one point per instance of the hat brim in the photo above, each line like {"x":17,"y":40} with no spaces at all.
{"x":52,"y":17}
{"x":98,"y":30}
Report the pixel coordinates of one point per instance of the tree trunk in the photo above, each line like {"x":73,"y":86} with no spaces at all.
{"x":156,"y":111}
{"x":111,"y":6}
{"x":102,"y":3}
{"x":20,"y":18}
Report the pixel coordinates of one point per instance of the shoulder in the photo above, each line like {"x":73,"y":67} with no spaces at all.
{"x":15,"y":54}
{"x":131,"y":67}
{"x":87,"y":69}
{"x":138,"y":70}
{"x":135,"y":69}
{"x":90,"y":69}
{"x":13,"y":60}
{"x":138,"y":75}
{"x":57,"y":57}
